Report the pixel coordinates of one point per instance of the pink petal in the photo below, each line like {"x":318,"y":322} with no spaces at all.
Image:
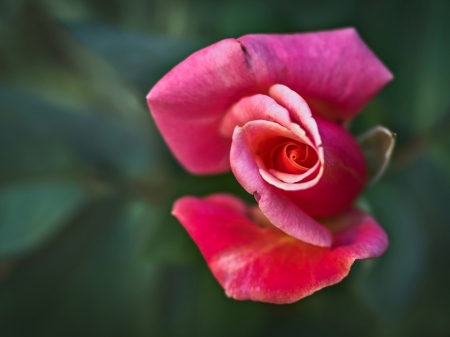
{"x":263,"y":107}
{"x":188,"y":103}
{"x":298,"y":110}
{"x":228,"y":201}
{"x":273,"y":202}
{"x":334,"y":71}
{"x":264,"y":264}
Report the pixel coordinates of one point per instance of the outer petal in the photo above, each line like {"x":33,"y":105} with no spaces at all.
{"x":282,"y":212}
{"x":188,"y":103}
{"x":333,"y":70}
{"x":264,"y":264}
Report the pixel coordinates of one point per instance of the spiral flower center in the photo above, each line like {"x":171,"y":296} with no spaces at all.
{"x":292,"y":157}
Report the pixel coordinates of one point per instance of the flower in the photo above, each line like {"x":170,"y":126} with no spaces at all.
{"x":272,"y":108}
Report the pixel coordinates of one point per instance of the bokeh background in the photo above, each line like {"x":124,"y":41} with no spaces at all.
{"x":87,"y":243}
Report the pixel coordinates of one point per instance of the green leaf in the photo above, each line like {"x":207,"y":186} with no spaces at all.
{"x":30,"y":151}
{"x":32,"y":214}
{"x":431,"y":96}
{"x":40,"y":57}
{"x":192,"y":303}
{"x":377,"y":145}
{"x":96,"y":140}
{"x":91,"y":281}
{"x":140,"y":58}
{"x":388,"y":283}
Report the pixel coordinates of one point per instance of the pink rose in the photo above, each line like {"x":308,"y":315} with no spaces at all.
{"x":271,"y":108}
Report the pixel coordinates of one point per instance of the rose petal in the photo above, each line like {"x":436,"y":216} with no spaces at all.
{"x":276,"y":206}
{"x":228,"y":201}
{"x":333,"y":70}
{"x":264,"y":264}
{"x":188,"y":103}
{"x":261,"y":137}
{"x":263,"y":107}
{"x":298,"y":110}
{"x":293,"y":157}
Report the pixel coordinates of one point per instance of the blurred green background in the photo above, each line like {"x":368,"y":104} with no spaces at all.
{"x":87,"y":243}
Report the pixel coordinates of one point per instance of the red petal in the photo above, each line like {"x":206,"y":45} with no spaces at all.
{"x":264,"y":264}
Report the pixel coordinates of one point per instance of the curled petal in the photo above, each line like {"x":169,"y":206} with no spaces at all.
{"x":263,"y":263}
{"x":255,"y":107}
{"x":263,"y":138}
{"x":282,"y":212}
{"x":298,"y":110}
{"x":263,"y":107}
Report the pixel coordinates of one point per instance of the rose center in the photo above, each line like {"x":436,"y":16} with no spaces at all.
{"x":293,"y":157}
